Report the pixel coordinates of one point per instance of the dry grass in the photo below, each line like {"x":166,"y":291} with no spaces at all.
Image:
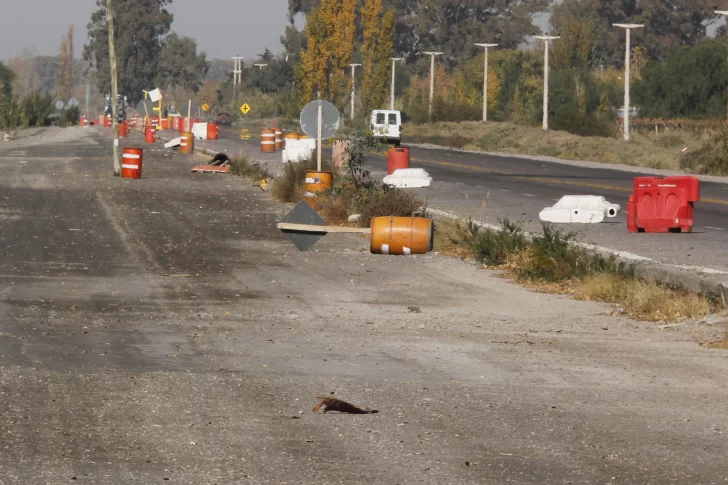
{"x":246,"y":167}
{"x":654,"y":151}
{"x":644,"y":300}
{"x":387,"y":202}
{"x":449,"y":240}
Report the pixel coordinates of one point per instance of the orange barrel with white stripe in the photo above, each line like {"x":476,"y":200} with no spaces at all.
{"x":317,"y":182}
{"x":267,"y":141}
{"x":187,"y":144}
{"x":123,"y":130}
{"x":131,"y":163}
{"x":164,"y":123}
{"x":150,"y":134}
{"x":176,"y":123}
{"x":279,"y":139}
{"x":213,"y":131}
{"x":401,"y":235}
{"x":107,"y":122}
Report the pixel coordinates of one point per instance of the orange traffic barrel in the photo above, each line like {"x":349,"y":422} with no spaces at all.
{"x":267,"y":141}
{"x":175,"y":125}
{"x":164,"y":123}
{"x":401,"y":235}
{"x":107,"y":122}
{"x":212,"y":131}
{"x":150,"y":134}
{"x":398,"y":157}
{"x":123,"y":130}
{"x":131,"y":163}
{"x":279,"y":139}
{"x":317,"y":182}
{"x":187,"y":144}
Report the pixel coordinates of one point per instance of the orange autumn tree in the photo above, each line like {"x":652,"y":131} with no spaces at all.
{"x":376,"y":52}
{"x":330,"y":31}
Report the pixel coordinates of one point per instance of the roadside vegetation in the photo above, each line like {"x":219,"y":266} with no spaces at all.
{"x":248,"y":168}
{"x":553,"y":263}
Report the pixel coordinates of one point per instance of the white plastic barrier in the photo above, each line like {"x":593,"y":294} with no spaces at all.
{"x":297,"y":150}
{"x":580,"y":209}
{"x":199,"y":131}
{"x":408,"y":178}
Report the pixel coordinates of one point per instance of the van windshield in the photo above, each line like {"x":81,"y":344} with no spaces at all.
{"x":380,"y":118}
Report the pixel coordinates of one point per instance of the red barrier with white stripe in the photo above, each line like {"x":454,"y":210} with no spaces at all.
{"x":131,"y":163}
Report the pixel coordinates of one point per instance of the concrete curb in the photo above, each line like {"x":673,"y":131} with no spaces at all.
{"x":710,"y":282}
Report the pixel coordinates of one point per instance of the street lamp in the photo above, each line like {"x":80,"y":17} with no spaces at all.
{"x":432,"y":76}
{"x":628,"y":28}
{"x":391,"y":90}
{"x":261,"y":66}
{"x":353,"y":87}
{"x":546,"y":39}
{"x":485,"y":80}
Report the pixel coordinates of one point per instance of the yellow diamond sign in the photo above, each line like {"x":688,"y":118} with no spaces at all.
{"x":245,"y":108}
{"x":205,"y":107}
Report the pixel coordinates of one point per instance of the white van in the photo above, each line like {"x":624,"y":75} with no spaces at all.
{"x":387,"y":125}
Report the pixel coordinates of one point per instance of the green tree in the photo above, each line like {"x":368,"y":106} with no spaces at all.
{"x":691,"y":82}
{"x":180,"y":64}
{"x":376,"y":53}
{"x":575,"y":48}
{"x":140,"y":26}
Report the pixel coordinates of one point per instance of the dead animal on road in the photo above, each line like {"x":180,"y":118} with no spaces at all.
{"x":327,"y":404}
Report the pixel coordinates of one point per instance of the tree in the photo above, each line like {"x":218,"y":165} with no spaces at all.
{"x":376,"y":52}
{"x":691,"y":82}
{"x":25,"y":68}
{"x":575,"y":48}
{"x":66,"y":72}
{"x":140,"y":26}
{"x":180,"y":64}
{"x":330,"y":32}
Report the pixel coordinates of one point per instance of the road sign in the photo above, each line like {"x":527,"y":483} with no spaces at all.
{"x":305,"y":227}
{"x":330,"y":119}
{"x":59,"y":104}
{"x":205,"y":107}
{"x":72,"y":102}
{"x":245,"y":108}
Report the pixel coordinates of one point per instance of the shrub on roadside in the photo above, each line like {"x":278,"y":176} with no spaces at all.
{"x":246,"y":167}
{"x":289,"y":186}
{"x":712,"y":157}
{"x":387,"y":201}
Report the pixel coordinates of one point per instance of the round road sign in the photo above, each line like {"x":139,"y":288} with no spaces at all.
{"x":59,"y":104}
{"x":329,"y":123}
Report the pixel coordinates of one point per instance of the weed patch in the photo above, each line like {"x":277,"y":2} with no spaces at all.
{"x":289,"y":186}
{"x":246,"y":167}
{"x":386,"y":201}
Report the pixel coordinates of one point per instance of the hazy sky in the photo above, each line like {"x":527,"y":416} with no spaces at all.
{"x":222,"y":28}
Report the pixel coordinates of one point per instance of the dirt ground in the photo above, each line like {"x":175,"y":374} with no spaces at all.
{"x":162,"y":330}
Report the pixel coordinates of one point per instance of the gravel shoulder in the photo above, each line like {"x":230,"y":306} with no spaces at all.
{"x":162,"y":330}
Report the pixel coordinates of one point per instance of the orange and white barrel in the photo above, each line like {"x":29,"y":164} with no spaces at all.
{"x":279,"y":139}
{"x":187,"y":144}
{"x":131,"y":163}
{"x":267,"y":141}
{"x":150,"y":134}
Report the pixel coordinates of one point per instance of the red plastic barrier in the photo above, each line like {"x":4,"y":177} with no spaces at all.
{"x":398,"y":157}
{"x":663,"y":204}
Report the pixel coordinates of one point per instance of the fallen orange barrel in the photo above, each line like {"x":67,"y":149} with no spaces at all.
{"x":212,"y":131}
{"x":131,"y":163}
{"x":267,"y":141}
{"x":401,"y":235}
{"x":279,"y":139}
{"x":187,"y":144}
{"x":150,"y":134}
{"x":398,"y":157}
{"x":317,"y":182}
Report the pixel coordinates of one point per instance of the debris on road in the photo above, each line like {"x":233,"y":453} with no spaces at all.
{"x":210,"y":169}
{"x":408,"y":178}
{"x":328,"y":403}
{"x":174,"y":142}
{"x":580,"y":209}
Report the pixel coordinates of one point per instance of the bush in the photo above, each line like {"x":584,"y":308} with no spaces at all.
{"x":712,"y":157}
{"x":289,"y":187}
{"x":35,"y":109}
{"x":244,"y":166}
{"x":387,"y":201}
{"x":70,"y":116}
{"x":489,"y":247}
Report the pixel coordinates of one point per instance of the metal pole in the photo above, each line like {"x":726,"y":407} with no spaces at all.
{"x":485,"y":88}
{"x":114,"y":88}
{"x":353,"y":88}
{"x":546,"y":87}
{"x":626,"y":87}
{"x":318,"y":137}
{"x":391,"y":90}
{"x":432,"y":83}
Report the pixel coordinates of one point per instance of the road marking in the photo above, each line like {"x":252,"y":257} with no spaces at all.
{"x":715,"y":228}
{"x":504,"y":190}
{"x":544,"y":179}
{"x":529,"y":195}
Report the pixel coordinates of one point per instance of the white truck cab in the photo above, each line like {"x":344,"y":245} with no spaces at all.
{"x":387,"y":125}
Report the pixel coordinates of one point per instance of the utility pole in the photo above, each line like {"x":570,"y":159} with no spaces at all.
{"x":432,"y":77}
{"x":353,"y":88}
{"x":261,"y":66}
{"x":391,"y":90}
{"x":237,"y":75}
{"x":546,"y":39}
{"x":627,"y":62}
{"x":114,"y":88}
{"x":485,"y":80}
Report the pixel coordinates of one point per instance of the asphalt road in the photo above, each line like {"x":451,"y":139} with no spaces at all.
{"x":162,"y":331}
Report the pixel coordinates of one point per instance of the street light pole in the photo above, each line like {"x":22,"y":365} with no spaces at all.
{"x":391,"y":90}
{"x":627,"y":62}
{"x":432,"y":77}
{"x":546,"y":39}
{"x":353,"y":88}
{"x":114,"y":88}
{"x":485,"y":80}
{"x":725,"y":14}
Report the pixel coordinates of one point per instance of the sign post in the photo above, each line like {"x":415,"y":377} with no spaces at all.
{"x":320,"y":120}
